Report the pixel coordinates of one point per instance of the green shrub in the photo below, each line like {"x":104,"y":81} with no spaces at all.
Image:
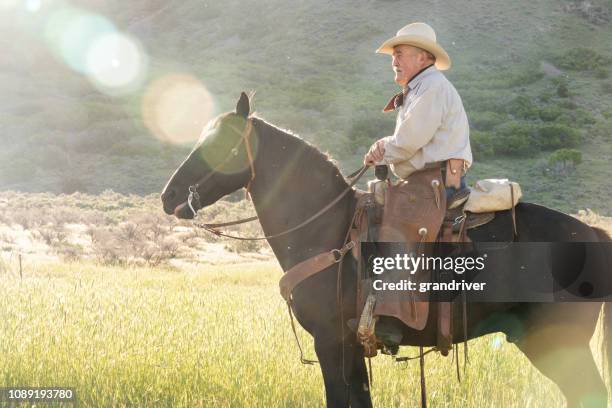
{"x":568,"y":104}
{"x":578,"y":118}
{"x":523,"y":107}
{"x":482,"y":143}
{"x":563,"y":91}
{"x":514,"y":138}
{"x":583,"y":117}
{"x":550,"y":113}
{"x":564,"y":161}
{"x":603,"y":129}
{"x":555,"y":136}
{"x":486,"y":120}
{"x":525,"y":77}
{"x":565,"y":119}
{"x":483,"y":100}
{"x":581,"y":59}
{"x":562,"y":86}
{"x":512,"y":77}
{"x":546,"y":95}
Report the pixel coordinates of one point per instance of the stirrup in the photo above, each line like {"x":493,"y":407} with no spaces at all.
{"x":458,"y":198}
{"x":366,"y":327}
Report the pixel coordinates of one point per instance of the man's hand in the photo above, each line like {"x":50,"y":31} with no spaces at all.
{"x":375,"y":154}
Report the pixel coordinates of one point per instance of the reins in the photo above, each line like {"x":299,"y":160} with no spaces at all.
{"x":212,"y":228}
{"x":194,"y":197}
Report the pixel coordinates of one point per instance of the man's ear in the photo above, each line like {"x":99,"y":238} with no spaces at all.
{"x":243,"y":107}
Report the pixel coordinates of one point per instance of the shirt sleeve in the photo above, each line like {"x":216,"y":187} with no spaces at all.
{"x":423,"y":118}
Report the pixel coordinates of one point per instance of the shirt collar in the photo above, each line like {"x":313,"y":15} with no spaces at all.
{"x":418,"y":77}
{"x":398,"y":99}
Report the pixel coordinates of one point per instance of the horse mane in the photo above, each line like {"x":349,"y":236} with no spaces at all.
{"x":309,"y":152}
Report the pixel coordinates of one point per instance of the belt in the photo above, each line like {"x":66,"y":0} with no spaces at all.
{"x":435,"y":165}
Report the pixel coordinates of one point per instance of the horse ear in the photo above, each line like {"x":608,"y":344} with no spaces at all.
{"x":243,"y":107}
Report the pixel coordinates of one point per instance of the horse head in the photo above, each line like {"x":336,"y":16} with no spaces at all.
{"x":220,"y":163}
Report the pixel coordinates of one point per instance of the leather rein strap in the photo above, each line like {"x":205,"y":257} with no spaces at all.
{"x":212,"y":227}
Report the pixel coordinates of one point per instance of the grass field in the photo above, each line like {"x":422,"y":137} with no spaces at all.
{"x":210,"y":336}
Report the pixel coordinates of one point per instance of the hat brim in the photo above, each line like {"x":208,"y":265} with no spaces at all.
{"x":443,"y":61}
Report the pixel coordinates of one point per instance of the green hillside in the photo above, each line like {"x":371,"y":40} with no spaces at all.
{"x":535,"y":78}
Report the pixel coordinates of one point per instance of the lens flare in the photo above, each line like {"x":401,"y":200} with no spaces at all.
{"x":71,"y":32}
{"x":116,"y":63}
{"x":32,"y":5}
{"x":176,"y":107}
{"x":91,"y":45}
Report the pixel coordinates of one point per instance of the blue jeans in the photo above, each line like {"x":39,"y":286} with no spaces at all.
{"x":452,"y":190}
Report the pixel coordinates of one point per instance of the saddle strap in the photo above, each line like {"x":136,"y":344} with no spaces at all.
{"x":309,"y":267}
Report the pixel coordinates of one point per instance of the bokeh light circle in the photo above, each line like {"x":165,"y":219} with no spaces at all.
{"x":116,"y":63}
{"x":176,"y":107}
{"x":71,"y":32}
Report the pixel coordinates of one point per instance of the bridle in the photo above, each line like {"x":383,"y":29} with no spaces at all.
{"x":245,"y":137}
{"x":194,"y":197}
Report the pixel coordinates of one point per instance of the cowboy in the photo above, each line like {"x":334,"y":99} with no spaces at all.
{"x":431,"y":125}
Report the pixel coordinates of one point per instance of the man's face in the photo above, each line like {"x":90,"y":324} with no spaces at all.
{"x":407,"y":61}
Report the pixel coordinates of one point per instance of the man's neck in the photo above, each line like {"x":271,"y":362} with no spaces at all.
{"x":415,"y":75}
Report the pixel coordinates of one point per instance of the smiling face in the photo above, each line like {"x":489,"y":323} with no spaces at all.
{"x":407,"y":61}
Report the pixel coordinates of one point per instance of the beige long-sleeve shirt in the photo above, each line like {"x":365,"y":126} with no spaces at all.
{"x":431,"y":126}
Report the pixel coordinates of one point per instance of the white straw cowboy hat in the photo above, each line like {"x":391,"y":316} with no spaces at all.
{"x":419,"y":35}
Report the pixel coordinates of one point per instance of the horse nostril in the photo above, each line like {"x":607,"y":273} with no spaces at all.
{"x":168,"y":195}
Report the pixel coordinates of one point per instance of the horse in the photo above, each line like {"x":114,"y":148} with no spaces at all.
{"x":289,"y":179}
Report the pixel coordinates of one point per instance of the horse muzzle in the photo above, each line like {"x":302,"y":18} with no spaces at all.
{"x":182,"y":211}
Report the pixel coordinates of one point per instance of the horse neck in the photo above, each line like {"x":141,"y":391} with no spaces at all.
{"x":292,"y":183}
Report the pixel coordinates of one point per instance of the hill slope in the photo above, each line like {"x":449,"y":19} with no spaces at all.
{"x":527,"y":73}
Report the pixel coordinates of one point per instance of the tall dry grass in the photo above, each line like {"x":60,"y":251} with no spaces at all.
{"x":217,"y":336}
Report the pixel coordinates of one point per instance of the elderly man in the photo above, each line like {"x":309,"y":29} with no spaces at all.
{"x":431,"y":129}
{"x":431,"y":123}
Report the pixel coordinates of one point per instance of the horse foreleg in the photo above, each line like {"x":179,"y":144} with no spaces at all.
{"x":329,"y":353}
{"x":359,"y":381}
{"x":344,"y":373}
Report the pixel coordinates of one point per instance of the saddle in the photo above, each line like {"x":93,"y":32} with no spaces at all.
{"x":413,"y":212}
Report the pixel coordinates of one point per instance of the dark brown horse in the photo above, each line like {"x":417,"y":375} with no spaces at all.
{"x":289,"y":180}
